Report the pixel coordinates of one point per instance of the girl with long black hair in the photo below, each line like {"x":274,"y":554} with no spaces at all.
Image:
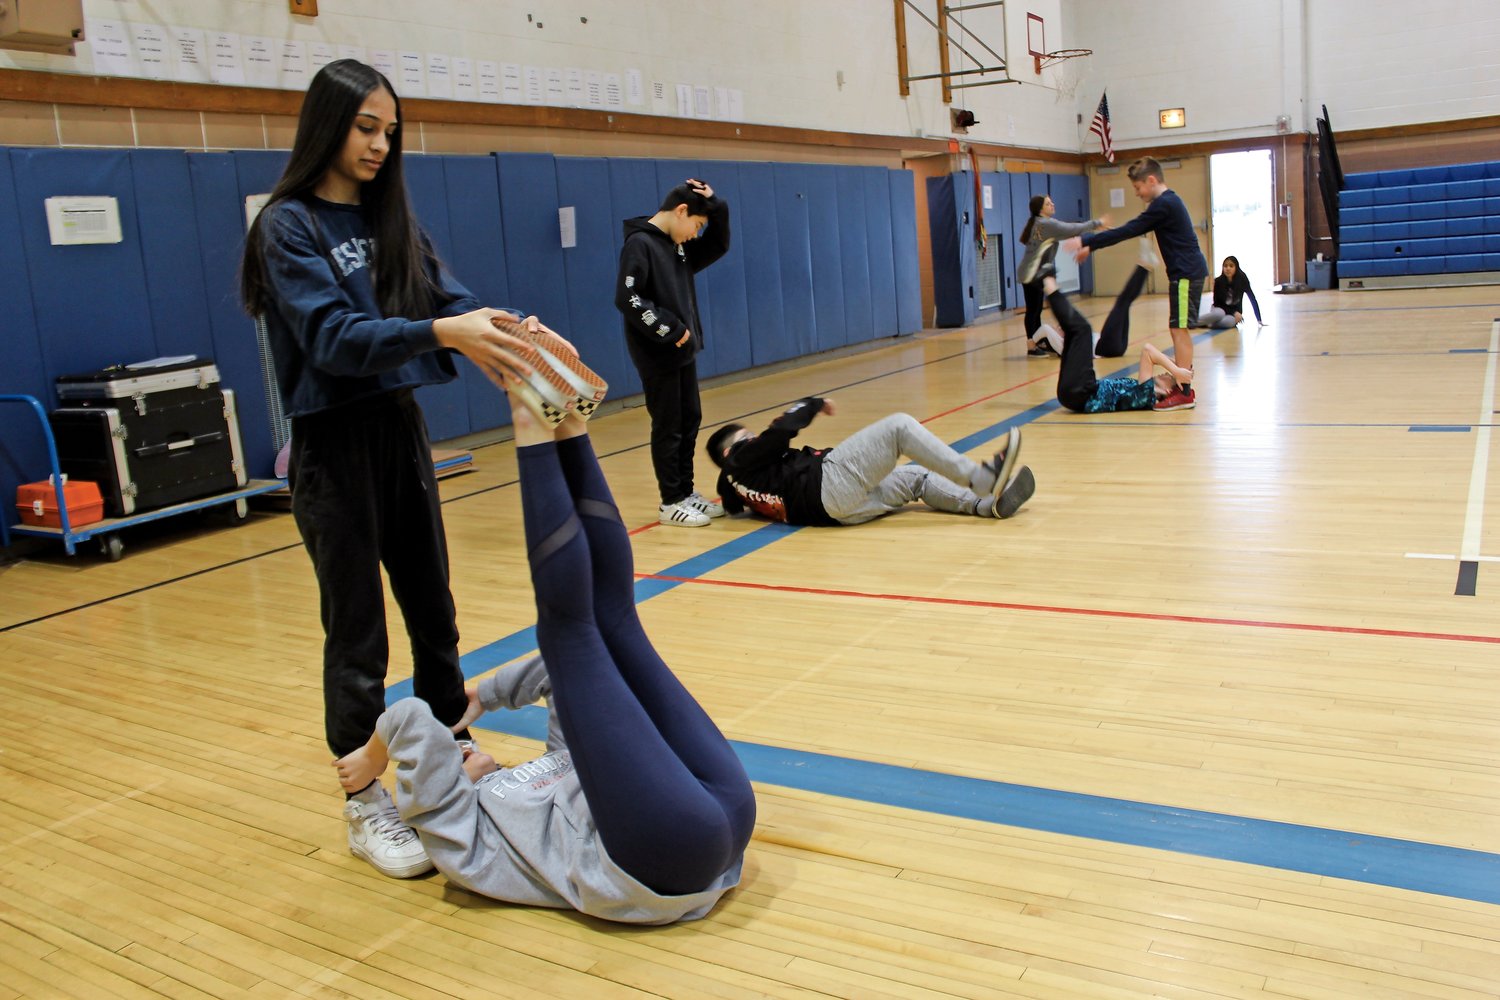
{"x":359,"y":314}
{"x":1040,"y":237}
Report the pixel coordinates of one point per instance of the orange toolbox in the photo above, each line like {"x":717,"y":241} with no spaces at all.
{"x":36,"y":503}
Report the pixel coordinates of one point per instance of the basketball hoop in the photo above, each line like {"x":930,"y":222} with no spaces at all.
{"x":1067,"y":70}
{"x":1061,"y":55}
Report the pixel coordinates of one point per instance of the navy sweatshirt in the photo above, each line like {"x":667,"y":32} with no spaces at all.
{"x":1168,"y":217}
{"x":767,"y":475}
{"x":655,"y":292}
{"x":330,"y":343}
{"x":1230,"y":295}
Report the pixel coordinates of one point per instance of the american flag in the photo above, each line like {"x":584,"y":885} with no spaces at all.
{"x":1100,"y":127}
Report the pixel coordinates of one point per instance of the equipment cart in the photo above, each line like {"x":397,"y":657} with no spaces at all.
{"x":107,"y":531}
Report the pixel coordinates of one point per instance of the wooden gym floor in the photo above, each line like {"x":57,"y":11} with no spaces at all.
{"x":1207,"y":719}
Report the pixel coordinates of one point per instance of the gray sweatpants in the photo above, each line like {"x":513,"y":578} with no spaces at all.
{"x":863,"y":477}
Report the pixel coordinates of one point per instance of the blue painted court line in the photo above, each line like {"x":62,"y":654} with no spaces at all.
{"x":1468,"y":350}
{"x":1439,"y":428}
{"x":1403,"y":864}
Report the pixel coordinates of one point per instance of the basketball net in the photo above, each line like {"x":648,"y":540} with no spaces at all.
{"x":1063,"y":71}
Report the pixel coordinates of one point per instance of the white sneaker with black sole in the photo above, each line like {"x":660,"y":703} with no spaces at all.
{"x":681,"y":515}
{"x":703,"y":504}
{"x":378,"y":835}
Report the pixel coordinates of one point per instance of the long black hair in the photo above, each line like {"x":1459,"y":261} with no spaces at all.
{"x":403,"y":285}
{"x":1239,"y":280}
{"x":1037,"y":201}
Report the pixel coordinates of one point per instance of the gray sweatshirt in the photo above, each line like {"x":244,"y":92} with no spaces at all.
{"x":523,"y":834}
{"x":1050,"y":229}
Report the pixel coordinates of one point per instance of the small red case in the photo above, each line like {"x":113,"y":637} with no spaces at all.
{"x":37,"y":504}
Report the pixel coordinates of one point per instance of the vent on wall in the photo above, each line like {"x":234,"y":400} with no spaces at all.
{"x":41,"y":25}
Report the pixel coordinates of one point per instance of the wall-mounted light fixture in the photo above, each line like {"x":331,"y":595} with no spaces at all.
{"x":1173,"y":117}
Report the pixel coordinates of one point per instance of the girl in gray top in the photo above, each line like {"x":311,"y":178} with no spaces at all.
{"x":1040,"y":238}
{"x":639,"y":811}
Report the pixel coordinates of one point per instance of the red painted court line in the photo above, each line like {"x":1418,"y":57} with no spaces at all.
{"x":1087,"y":612}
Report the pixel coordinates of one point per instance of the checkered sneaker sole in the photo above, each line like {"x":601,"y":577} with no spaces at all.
{"x":547,"y":353}
{"x":539,"y":400}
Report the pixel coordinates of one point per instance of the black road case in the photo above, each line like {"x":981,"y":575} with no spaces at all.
{"x":149,"y":437}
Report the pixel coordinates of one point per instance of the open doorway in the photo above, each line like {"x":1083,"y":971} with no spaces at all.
{"x":1244,"y":215}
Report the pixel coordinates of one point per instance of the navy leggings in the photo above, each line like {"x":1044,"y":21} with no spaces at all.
{"x":671,"y":801}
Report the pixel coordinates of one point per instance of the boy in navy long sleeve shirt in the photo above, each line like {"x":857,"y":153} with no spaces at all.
{"x":1168,"y":217}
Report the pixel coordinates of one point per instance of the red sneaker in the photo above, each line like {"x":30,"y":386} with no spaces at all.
{"x":1177,"y":399}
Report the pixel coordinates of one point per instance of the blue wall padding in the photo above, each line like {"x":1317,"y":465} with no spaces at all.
{"x":880,"y":241}
{"x":1070,"y":193}
{"x":1020,"y":211}
{"x":592,"y":322}
{"x":23,"y":456}
{"x":725,"y":312}
{"x":756,"y":230}
{"x":446,"y":406}
{"x":476,"y":257}
{"x":795,"y":244}
{"x":854,"y":247}
{"x":109,"y":279}
{"x":822,"y":256}
{"x":171,"y":253}
{"x":950,"y":201}
{"x":907,"y":261}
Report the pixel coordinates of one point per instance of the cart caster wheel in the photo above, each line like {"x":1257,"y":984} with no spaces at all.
{"x":237,"y":513}
{"x":111,"y":547}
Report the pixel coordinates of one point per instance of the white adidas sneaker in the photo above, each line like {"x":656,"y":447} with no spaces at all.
{"x":682,"y":515}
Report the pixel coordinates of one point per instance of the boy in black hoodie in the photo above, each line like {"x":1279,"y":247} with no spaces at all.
{"x":664,"y":333}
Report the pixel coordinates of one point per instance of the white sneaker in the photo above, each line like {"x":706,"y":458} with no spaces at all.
{"x":703,"y":504}
{"x":681,"y":515}
{"x":1048,"y":334}
{"x":377,"y":834}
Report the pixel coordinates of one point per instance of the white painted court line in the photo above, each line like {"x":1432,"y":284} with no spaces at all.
{"x":1474,"y":516}
{"x":1449,"y":556}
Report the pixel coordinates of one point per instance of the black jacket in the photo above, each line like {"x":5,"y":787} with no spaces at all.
{"x":655,"y":291}
{"x":767,"y":475}
{"x":1230,"y":295}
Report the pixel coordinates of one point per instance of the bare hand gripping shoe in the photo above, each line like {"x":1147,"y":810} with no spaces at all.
{"x":560,"y":383}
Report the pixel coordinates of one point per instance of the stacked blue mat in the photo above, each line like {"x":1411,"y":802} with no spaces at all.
{"x":1430,"y":220}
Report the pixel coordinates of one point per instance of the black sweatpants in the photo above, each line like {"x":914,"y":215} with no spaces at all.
{"x":364,"y":494}
{"x":1075,"y":374}
{"x":1114,"y":337}
{"x":676,"y":414}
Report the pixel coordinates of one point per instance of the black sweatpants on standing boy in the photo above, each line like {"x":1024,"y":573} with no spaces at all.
{"x":364,"y":494}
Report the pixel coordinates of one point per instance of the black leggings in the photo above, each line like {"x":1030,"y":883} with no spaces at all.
{"x":1075,"y":374}
{"x":1034,"y":299}
{"x":671,"y":800}
{"x":1115,"y":336}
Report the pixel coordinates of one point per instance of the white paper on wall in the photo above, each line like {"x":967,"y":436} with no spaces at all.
{"x":225,"y":62}
{"x":292,"y":73}
{"x":320,"y":54}
{"x":464,"y":86}
{"x":721,"y":102}
{"x":702,"y":103}
{"x":512,"y":87}
{"x":439,"y":75}
{"x":358,"y":52}
{"x":685,"y":100}
{"x":259,"y":54}
{"x":1116,"y":197}
{"x":989,"y":197}
{"x":613,"y":95}
{"x":109,"y":41}
{"x":488,"y":72}
{"x":413,"y":75}
{"x":153,"y":51}
{"x":556,"y":92}
{"x":531,"y":90}
{"x":634,"y":92}
{"x":384,"y":60}
{"x":567,"y":224}
{"x":573,"y":80}
{"x":736,"y":105}
{"x":593,"y":89}
{"x":190,"y":58}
